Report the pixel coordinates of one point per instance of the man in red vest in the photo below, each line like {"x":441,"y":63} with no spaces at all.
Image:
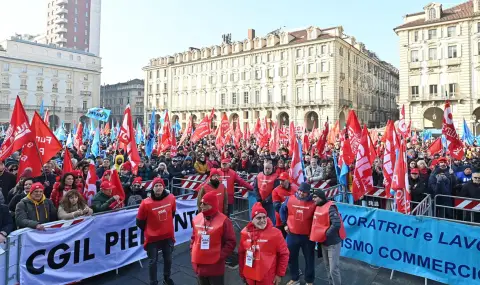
{"x":263,"y":187}
{"x":214,"y":184}
{"x":155,"y":218}
{"x":262,"y":253}
{"x":279,"y":194}
{"x":228,"y":177}
{"x":297,"y":216}
{"x":328,"y":230}
{"x":213,"y":240}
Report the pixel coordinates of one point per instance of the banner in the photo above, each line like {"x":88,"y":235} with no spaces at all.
{"x":94,"y":246}
{"x":444,"y":251}
{"x":100,"y":114}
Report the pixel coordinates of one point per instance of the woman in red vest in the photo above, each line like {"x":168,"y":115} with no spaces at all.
{"x":155,"y":218}
{"x":213,"y":239}
{"x":279,"y":194}
{"x":328,"y":230}
{"x":214,"y":184}
{"x":263,"y":253}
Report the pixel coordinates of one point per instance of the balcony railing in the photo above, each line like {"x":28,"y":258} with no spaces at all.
{"x":4,"y":106}
{"x":23,"y":87}
{"x":39,"y":88}
{"x":68,"y":109}
{"x":345,"y":102}
{"x":69,"y":91}
{"x":85,"y":93}
{"x":82,"y":109}
{"x":55,"y":89}
{"x":6,"y":85}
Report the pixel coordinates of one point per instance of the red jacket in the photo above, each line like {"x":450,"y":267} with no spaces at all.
{"x":57,"y":195}
{"x":229,"y":242}
{"x":231,"y":178}
{"x":279,"y":263}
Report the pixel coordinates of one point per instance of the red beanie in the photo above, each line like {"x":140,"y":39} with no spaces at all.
{"x":137,"y":180}
{"x":211,"y":199}
{"x":214,"y":171}
{"x":158,"y":180}
{"x":258,"y":209}
{"x":36,"y":186}
{"x":127,"y":166}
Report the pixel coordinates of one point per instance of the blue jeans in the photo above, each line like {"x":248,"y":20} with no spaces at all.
{"x":252,"y":199}
{"x":270,"y":212}
{"x":295,"y":243}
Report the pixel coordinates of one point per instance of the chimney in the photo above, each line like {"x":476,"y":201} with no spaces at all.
{"x":251,"y":34}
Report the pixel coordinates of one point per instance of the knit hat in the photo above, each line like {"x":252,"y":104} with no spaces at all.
{"x":27,"y":173}
{"x":106,"y":185}
{"x":442,"y":159}
{"x":214,"y":171}
{"x":210,"y":199}
{"x":320,"y":194}
{"x":158,"y":180}
{"x":226,"y":160}
{"x":305,"y":187}
{"x":77,"y":173}
{"x":137,"y":180}
{"x":188,"y":158}
{"x":127,"y":166}
{"x":284,"y":176}
{"x":258,"y":209}
{"x":414,"y":171}
{"x":36,"y":186}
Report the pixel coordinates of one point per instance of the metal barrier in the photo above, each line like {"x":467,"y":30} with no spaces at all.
{"x":457,"y":209}
{"x":424,"y":208}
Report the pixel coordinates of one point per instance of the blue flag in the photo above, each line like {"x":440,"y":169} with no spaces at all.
{"x":138,"y":135}
{"x":69,"y":142}
{"x":177,"y":128}
{"x":42,"y":110}
{"x":427,"y":134}
{"x":96,"y":143}
{"x":151,"y":136}
{"x":467,"y":134}
{"x":98,"y":114}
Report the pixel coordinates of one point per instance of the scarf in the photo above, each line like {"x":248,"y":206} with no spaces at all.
{"x":37,"y":204}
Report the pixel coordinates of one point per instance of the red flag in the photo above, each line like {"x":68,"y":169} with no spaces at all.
{"x":389,"y":156}
{"x":275,"y":139}
{"x":296,"y":170}
{"x":312,"y":133}
{"x":435,"y":147}
{"x":106,"y":129}
{"x":402,"y":124}
{"x":166,"y":139}
{"x":306,"y":143}
{"x":354,"y":131}
{"x":333,"y":134}
{"x":187,"y":131}
{"x":173,"y":149}
{"x":246,"y":133}
{"x":455,"y":146}
{"x":238,"y":135}
{"x":400,"y":181}
{"x":126,"y":136}
{"x":78,"y":138}
{"x":117,"y":184}
{"x":220,"y":141}
{"x":18,"y":132}
{"x":322,"y":141}
{"x":202,"y":130}
{"x":90,"y":184}
{"x":29,"y":159}
{"x":371,"y":147}
{"x":46,"y":118}
{"x":292,"y":137}
{"x":362,"y":176}
{"x":67,"y":162}
{"x":346,"y":154}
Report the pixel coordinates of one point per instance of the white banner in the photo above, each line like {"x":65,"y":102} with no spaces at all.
{"x":94,"y":246}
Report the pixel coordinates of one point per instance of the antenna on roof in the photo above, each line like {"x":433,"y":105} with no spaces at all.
{"x":227,"y":38}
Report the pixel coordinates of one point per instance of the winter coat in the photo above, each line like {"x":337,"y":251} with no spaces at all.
{"x":229,"y":242}
{"x":57,"y":195}
{"x":101,"y":202}
{"x":145,"y":172}
{"x":418,"y":188}
{"x":7,"y":182}
{"x":6,"y":221}
{"x":29,"y":213}
{"x":279,"y":264}
{"x":201,"y":168}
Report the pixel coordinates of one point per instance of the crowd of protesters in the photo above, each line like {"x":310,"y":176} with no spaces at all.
{"x":30,"y":202}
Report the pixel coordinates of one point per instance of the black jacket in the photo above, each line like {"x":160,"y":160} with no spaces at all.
{"x":7,"y":182}
{"x":418,"y":188}
{"x":6,"y":221}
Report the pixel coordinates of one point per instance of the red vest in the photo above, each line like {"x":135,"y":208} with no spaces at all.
{"x":159,"y":222}
{"x":213,"y":228}
{"x":300,"y":215}
{"x":279,"y":195}
{"x":321,"y":223}
{"x":221,"y":192}
{"x":264,"y":245}
{"x":265,"y":184}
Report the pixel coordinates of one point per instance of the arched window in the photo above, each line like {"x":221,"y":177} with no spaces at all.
{"x":432,"y":14}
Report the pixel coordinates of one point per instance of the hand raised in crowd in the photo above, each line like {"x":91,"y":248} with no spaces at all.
{"x":40,"y":227}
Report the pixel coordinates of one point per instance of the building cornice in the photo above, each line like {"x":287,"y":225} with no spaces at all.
{"x":436,"y":24}
{"x":49,"y":64}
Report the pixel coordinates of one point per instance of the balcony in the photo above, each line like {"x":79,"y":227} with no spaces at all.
{"x":323,"y":74}
{"x":85,"y":93}
{"x":61,"y":21}
{"x":345,"y":102}
{"x":433,"y":63}
{"x":68,"y":109}
{"x":61,"y":30}
{"x":311,"y":75}
{"x":427,"y":97}
{"x":453,"y":61}
{"x":62,"y":2}
{"x":5,"y":85}
{"x":54,"y":89}
{"x":69,"y":91}
{"x":4,"y":106}
{"x":39,"y":88}
{"x":299,"y":77}
{"x":23,"y":87}
{"x":61,"y":11}
{"x":415,"y":65}
{"x":80,"y":110}
{"x":61,"y":40}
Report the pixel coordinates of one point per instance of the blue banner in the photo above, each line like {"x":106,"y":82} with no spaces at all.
{"x":444,"y":251}
{"x":98,"y":114}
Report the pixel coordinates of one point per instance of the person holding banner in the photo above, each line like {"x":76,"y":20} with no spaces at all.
{"x":263,"y":253}
{"x":35,"y":209}
{"x":328,"y":230}
{"x":213,"y":240}
{"x":73,"y":205}
{"x":102,"y":201}
{"x":155,"y":218}
{"x":297,"y":216}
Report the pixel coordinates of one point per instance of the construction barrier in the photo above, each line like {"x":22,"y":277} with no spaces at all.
{"x":457,"y":209}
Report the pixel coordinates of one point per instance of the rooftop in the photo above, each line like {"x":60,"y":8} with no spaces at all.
{"x":461,"y":11}
{"x":14,"y":39}
{"x":122,"y":84}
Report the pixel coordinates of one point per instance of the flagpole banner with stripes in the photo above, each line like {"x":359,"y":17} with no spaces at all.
{"x":439,"y":250}
{"x":70,"y":252}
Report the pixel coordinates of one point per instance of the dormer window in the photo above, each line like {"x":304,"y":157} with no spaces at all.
{"x":432,"y":14}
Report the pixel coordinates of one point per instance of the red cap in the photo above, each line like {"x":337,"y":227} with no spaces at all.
{"x":36,"y":186}
{"x":126,"y":166}
{"x":106,"y":185}
{"x":226,"y":160}
{"x":257,"y":209}
{"x":214,"y":171}
{"x":414,"y":171}
{"x":77,"y":173}
{"x":137,"y":180}
{"x":284,"y":176}
{"x":158,"y":180}
{"x":442,"y":159}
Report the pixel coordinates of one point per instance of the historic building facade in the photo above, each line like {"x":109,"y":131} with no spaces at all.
{"x":305,"y":76}
{"x":66,"y":80}
{"x":116,"y":97}
{"x":440,"y":60}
